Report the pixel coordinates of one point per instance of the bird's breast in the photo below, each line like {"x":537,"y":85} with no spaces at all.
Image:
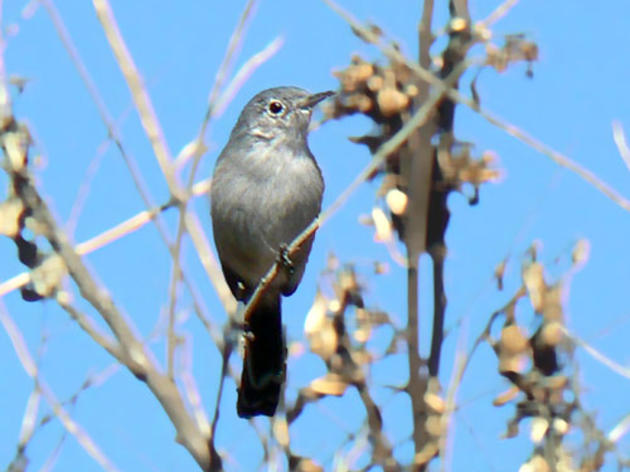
{"x":264,"y":205}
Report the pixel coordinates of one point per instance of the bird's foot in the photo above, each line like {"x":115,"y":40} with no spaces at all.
{"x":248,"y":334}
{"x":285,"y":260}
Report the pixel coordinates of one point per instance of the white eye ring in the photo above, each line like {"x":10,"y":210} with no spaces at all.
{"x":276,"y":108}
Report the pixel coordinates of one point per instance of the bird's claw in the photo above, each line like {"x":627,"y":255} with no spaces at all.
{"x":248,"y":334}
{"x":284,"y":259}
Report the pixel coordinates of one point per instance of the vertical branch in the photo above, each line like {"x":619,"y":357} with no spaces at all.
{"x":453,"y":60}
{"x":416,"y":385}
{"x":439,"y":307}
{"x":415,"y":169}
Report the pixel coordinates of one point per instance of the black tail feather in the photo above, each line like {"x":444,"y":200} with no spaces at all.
{"x":264,"y":364}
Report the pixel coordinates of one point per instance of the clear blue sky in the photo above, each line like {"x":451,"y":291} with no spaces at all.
{"x":580,"y":86}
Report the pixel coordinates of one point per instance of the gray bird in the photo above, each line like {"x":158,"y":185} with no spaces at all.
{"x":266,"y":189}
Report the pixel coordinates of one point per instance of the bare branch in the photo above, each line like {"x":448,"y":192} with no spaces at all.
{"x":71,"y":426}
{"x":135,"y":357}
{"x":140,"y":96}
{"x":622,"y":144}
{"x":245,"y":72}
{"x":86,"y":324}
{"x":619,"y":430}
{"x":106,"y":237}
{"x":498,"y":13}
{"x":598,"y":356}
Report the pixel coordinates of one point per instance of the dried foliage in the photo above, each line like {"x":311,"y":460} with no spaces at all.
{"x":419,"y":162}
{"x":542,"y":370}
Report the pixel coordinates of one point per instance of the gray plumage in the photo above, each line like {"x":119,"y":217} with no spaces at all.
{"x":266,"y":189}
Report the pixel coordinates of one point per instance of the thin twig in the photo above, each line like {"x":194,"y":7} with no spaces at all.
{"x":190,"y":387}
{"x":87,"y":325}
{"x":498,"y":13}
{"x":139,"y":94}
{"x":209,"y":262}
{"x":128,"y":226}
{"x":135,"y":357}
{"x":622,"y":144}
{"x":234,"y":45}
{"x":90,"y":173}
{"x":71,"y":426}
{"x":153,"y":212}
{"x":611,"y":364}
{"x":106,"y":116}
{"x":451,"y":404}
{"x":29,"y":420}
{"x":619,"y":430}
{"x":245,"y":72}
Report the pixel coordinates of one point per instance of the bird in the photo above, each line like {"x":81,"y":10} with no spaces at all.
{"x":266,"y":189}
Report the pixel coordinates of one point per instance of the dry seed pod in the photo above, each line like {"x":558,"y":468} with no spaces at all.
{"x":506,"y":396}
{"x":281,"y":431}
{"x":552,"y":310}
{"x":10,"y":212}
{"x":305,"y":465}
{"x":353,"y":77}
{"x":427,"y":453}
{"x":396,"y":201}
{"x":539,"y":429}
{"x":434,"y":425}
{"x":535,"y":464}
{"x":316,"y":316}
{"x":581,"y":251}
{"x":329,"y":384}
{"x":391,"y":101}
{"x":560,"y":426}
{"x":458,"y":24}
{"x":435,"y":402}
{"x":382,"y":224}
{"x":513,"y":340}
{"x":535,"y":283}
{"x":411,"y":90}
{"x":552,"y":333}
{"x":47,"y":276}
{"x":360,"y":102}
{"x":556,"y":382}
{"x":375,"y":83}
{"x":512,"y":363}
{"x":482,"y":32}
{"x":362,"y":335}
{"x":15,"y":145}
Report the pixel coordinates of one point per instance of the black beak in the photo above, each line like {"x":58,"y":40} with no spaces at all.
{"x":312,"y":100}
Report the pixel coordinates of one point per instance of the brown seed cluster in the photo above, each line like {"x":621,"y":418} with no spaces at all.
{"x":380,"y":92}
{"x":18,"y":215}
{"x":337,"y":328}
{"x":533,"y":363}
{"x":460,"y":167}
{"x":515,"y":49}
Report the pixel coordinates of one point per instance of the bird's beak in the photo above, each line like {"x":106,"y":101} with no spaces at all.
{"x":312,"y":100}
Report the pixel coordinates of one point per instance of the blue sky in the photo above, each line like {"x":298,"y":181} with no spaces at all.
{"x":579,"y":87}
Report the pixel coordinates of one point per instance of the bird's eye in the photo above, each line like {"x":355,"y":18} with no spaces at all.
{"x":275,"y":107}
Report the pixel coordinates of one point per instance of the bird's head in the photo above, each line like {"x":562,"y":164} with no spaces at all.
{"x":279,"y":112}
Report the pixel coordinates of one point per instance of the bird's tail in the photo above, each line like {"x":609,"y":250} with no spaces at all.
{"x":264,"y":364}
